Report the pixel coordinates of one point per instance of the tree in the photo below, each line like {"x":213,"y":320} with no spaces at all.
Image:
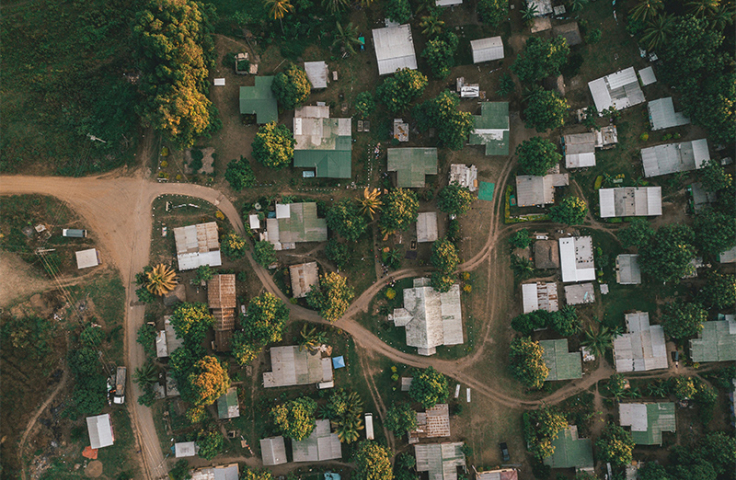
{"x":364,"y":106}
{"x":703,"y":8}
{"x":348,"y":426}
{"x":577,"y":5}
{"x":405,"y":467}
{"x":441,"y":281}
{"x":243,"y":348}
{"x":722,"y":17}
{"x":718,"y":450}
{"x":160,"y":280}
{"x":616,"y":386}
{"x":440,"y":54}
{"x":92,"y":336}
{"x":571,"y":211}
{"x":373,"y":462}
{"x":528,"y":12}
{"x":335,"y":6}
{"x":191,"y":322}
{"x":291,"y":87}
{"x":429,"y":387}
{"x":667,"y":255}
{"x":545,"y":110}
{"x":540,"y":59}
{"x":506,"y":85}
{"x":264,"y":254}
{"x":265,"y":319}
{"x":400,"y":210}
{"x":652,"y":471}
{"x":615,"y":445}
{"x":251,"y":474}
{"x":658,"y":31}
{"x":537,"y":155}
{"x":598,"y":341}
{"x":371,"y":203}
{"x":493,"y":12}
{"x":204,"y":273}
{"x":720,"y":291}
{"x":239,"y":174}
{"x":682,"y":320}
{"x":401,"y":419}
{"x":208,"y":382}
{"x":397,"y":92}
{"x":431,"y":24}
{"x":520,"y":239}
{"x":683,"y":387}
{"x":526,"y":323}
{"x":398,"y":11}
{"x":715,"y":231}
{"x":646,"y":10}
{"x":311,"y":338}
{"x":345,"y":219}
{"x":338,"y":253}
{"x":442,"y":113}
{"x":713,"y":176}
{"x":147,"y":338}
{"x":527,"y":362}
{"x":566,"y":321}
{"x":346,"y":39}
{"x":444,"y":256}
{"x":274,"y":146}
{"x":180,"y":470}
{"x":333,"y":296}
{"x":638,"y":234}
{"x":210,"y":444}
{"x":295,"y":419}
{"x":233,"y":245}
{"x":540,"y":428}
{"x":454,"y":199}
{"x":279,"y":8}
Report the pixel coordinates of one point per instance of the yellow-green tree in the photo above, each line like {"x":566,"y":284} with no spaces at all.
{"x":373,"y":462}
{"x":191,"y":321}
{"x":333,"y":296}
{"x":274,"y":146}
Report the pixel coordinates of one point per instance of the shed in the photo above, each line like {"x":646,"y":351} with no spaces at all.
{"x":303,"y":277}
{"x":197,"y":245}
{"x":406,"y":383}
{"x":571,"y":451}
{"x":579,"y":294}
{"x":487,"y":49}
{"x":317,"y":73}
{"x":162,"y":350}
{"x":606,"y":137}
{"x":291,"y":365}
{"x":662,"y":114}
{"x":701,"y":197}
{"x":642,"y":348}
{"x":647,"y":77}
{"x":100,"y":431}
{"x":674,"y":157}
{"x":259,"y":101}
{"x":491,"y":128}
{"x":394,"y":49}
{"x":532,"y":190}
{"x":427,"y":227}
{"x":579,"y":150}
{"x":323,"y":143}
{"x":320,"y":446}
{"x":539,"y":296}
{"x":440,"y":460}
{"x":729,"y":256}
{"x":620,"y":90}
{"x":562,"y":364}
{"x":716,"y":343}
{"x":87,"y":258}
{"x":648,"y":421}
{"x":254,"y":222}
{"x":630,"y":202}
{"x":465,"y":176}
{"x":412,"y":165}
{"x":227,"y":405}
{"x":544,"y":7}
{"x":576,"y":259}
{"x":184,"y":449}
{"x":570,"y":32}
{"x":433,"y":423}
{"x":273,"y":451}
{"x":627,"y":269}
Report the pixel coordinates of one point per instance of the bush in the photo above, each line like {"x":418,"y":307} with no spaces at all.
{"x":364,"y":104}
{"x":196,"y":162}
{"x":520,"y":239}
{"x":493,"y":12}
{"x":264,"y":254}
{"x":338,"y":253}
{"x":233,"y":245}
{"x":239,"y":174}
{"x":291,"y":87}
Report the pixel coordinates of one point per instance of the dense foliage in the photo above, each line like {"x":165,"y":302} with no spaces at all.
{"x":545,"y":110}
{"x":333,"y":296}
{"x":291,"y":87}
{"x":454,"y":199}
{"x":364,"y":104}
{"x":571,"y":211}
{"x":210,"y":444}
{"x":540,"y":428}
{"x":720,"y":291}
{"x":398,"y":91}
{"x":338,"y":253}
{"x":191,"y":322}
{"x":263,"y":323}
{"x":527,"y":362}
{"x":233,"y":245}
{"x":440,"y":54}
{"x":373,"y":462}
{"x":239,"y":174}
{"x":520,"y":239}
{"x":442,"y":113}
{"x":273,"y":145}
{"x":429,"y":387}
{"x":264,"y":253}
{"x":682,"y":320}
{"x":401,"y":419}
{"x":536,"y":156}
{"x":296,"y":418}
{"x":207,"y":381}
{"x":540,"y":59}
{"x":345,"y":219}
{"x":615,"y":445}
{"x":493,"y":12}
{"x":400,"y":210}
{"x":666,"y":255}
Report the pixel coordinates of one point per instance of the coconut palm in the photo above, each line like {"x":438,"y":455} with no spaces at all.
{"x":161,"y":280}
{"x":370,"y":203}
{"x":703,"y":8}
{"x":279,"y":8}
{"x":528,"y":12}
{"x":335,"y":5}
{"x":598,"y":342}
{"x":346,"y":38}
{"x":576,"y":5}
{"x":348,"y":426}
{"x":723,"y":16}
{"x":310,"y":338}
{"x":146,"y":374}
{"x":646,"y":10}
{"x":432,"y":25}
{"x":657,"y":31}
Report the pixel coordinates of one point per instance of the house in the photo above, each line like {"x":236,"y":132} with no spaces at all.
{"x":502,"y":474}
{"x":532,"y":190}
{"x":701,"y":197}
{"x":606,"y":137}
{"x":465,"y":176}
{"x":440,"y":460}
{"x":87,"y":258}
{"x":295,"y":223}
{"x":197,"y":245}
{"x":448,"y":3}
{"x":627,"y":269}
{"x":412,"y":165}
{"x":320,"y":446}
{"x":662,"y":114}
{"x":100,"y":431}
{"x":259,"y":101}
{"x":227,"y":405}
{"x":491,"y":128}
{"x":487,"y":49}
{"x":539,"y":296}
{"x":222,"y":302}
{"x":162,"y":350}
{"x":221,"y":472}
{"x":544,"y":7}
{"x":630,"y":202}
{"x":579,"y":149}
{"x":546,"y":255}
{"x":173,"y":341}
{"x":562,"y":364}
{"x":303,"y":277}
{"x":273,"y":451}
{"x":185,"y":449}
{"x":433,"y":423}
{"x":642,"y":348}
{"x":647,"y":421}
{"x":620,"y":90}
{"x":254,"y":222}
{"x":729,"y":256}
{"x":401,"y":130}
{"x":427,"y":227}
{"x":674,"y":157}
{"x":322,"y":143}
{"x":716,"y":343}
{"x":317,"y":73}
{"x":431,"y":318}
{"x":394,"y":49}
{"x":571,"y":451}
{"x":570,"y":32}
{"x":293,"y":366}
{"x":579,"y":294}
{"x":647,"y":77}
{"x":576,"y":259}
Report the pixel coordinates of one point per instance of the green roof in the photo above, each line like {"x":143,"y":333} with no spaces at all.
{"x":571,"y":451}
{"x":492,"y":128}
{"x":411,"y":165}
{"x":324,"y":144}
{"x":660,"y":418}
{"x":259,"y":101}
{"x":716,"y":343}
{"x":327,"y":163}
{"x":227,"y":405}
{"x":303,"y":225}
{"x":562,"y":364}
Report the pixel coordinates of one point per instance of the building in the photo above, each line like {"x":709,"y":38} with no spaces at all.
{"x":716,"y":343}
{"x":532,"y":190}
{"x":620,"y":90}
{"x":227,"y":405}
{"x":465,"y":176}
{"x":100,"y":431}
{"x":662,"y":114}
{"x":539,"y":296}
{"x":173,"y":341}
{"x":502,"y":474}
{"x":487,"y":49}
{"x":440,"y":460}
{"x":323,"y":144}
{"x":293,"y":366}
{"x":579,"y":150}
{"x":627,"y":269}
{"x":571,"y":451}
{"x":448,"y":3}
{"x":197,"y":245}
{"x":320,"y":446}
{"x":729,"y":256}
{"x":401,"y":130}
{"x":259,"y":101}
{"x":185,"y":449}
{"x":647,"y":421}
{"x":630,"y":202}
{"x":394,"y":49}
{"x":303,"y":277}
{"x":412,"y":165}
{"x":87,"y":258}
{"x":431,"y":318}
{"x":222,"y":302}
{"x":434,"y":423}
{"x":427,"y":227}
{"x":221,"y":472}
{"x":701,"y":197}
{"x":273,"y":451}
{"x":295,"y":223}
{"x":674,"y":157}
{"x":546,"y":255}
{"x":562,"y":364}
{"x":579,"y":294}
{"x":642,"y":348}
{"x":606,"y":137}
{"x":570,"y":31}
{"x":317,"y":73}
{"x":647,"y":77}
{"x":576,"y":259}
{"x":491,"y":128}
{"x":544,"y":7}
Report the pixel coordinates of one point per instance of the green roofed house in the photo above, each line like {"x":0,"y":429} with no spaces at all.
{"x":412,"y":165}
{"x":322,"y":143}
{"x":716,"y":343}
{"x":440,"y":460}
{"x":259,"y":101}
{"x":227,"y":405}
{"x":571,"y":451}
{"x":295,"y":223}
{"x":648,"y":421}
{"x":492,"y":128}
{"x":562,"y":364}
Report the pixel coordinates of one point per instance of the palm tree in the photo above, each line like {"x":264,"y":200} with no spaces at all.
{"x":722,"y":17}
{"x":528,"y":12}
{"x":161,"y":280}
{"x":598,"y":342}
{"x":279,"y":8}
{"x":348,"y":427}
{"x":657,"y":32}
{"x":346,"y":37}
{"x":633,"y":393}
{"x":370,"y":203}
{"x":576,"y":5}
{"x":432,"y":25}
{"x":146,"y":374}
{"x":310,"y":338}
{"x":335,"y":5}
{"x":703,"y":8}
{"x":647,"y":9}
{"x":657,"y":389}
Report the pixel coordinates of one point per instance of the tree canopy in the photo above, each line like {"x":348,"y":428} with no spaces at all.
{"x":373,"y":462}
{"x":208,"y":381}
{"x":440,"y":54}
{"x":429,"y":387}
{"x":454,"y":199}
{"x":615,"y":445}
{"x":545,"y":110}
{"x":364,"y":104}
{"x":398,"y":91}
{"x":682,"y":320}
{"x":252,"y":474}
{"x":541,"y":58}
{"x":713,"y":176}
{"x":637,"y":234}
{"x":442,"y":113}
{"x":540,"y":428}
{"x":239,"y":174}
{"x":333,"y":296}
{"x":291,"y":87}
{"x":715,"y":231}
{"x":536,"y":156}
{"x":345,"y":219}
{"x":233,"y":245}
{"x":264,"y":253}
{"x":527,"y":362}
{"x":265,"y":319}
{"x":210,"y":444}
{"x":273,"y":145}
{"x":666,"y":256}
{"x":400,"y":210}
{"x":444,"y":256}
{"x":720,"y":291}
{"x":493,"y":12}
{"x":398,"y":10}
{"x":191,"y":322}
{"x":520,"y":239}
{"x":338,"y":253}
{"x":295,"y":419}
{"x":571,"y":211}
{"x":401,"y":419}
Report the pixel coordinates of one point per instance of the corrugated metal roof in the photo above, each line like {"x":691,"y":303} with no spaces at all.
{"x":184,"y":449}
{"x":448,"y":3}
{"x":539,"y":296}
{"x":427,"y":227}
{"x":320,"y":446}
{"x":716,"y":343}
{"x":302,"y":225}
{"x":273,"y":451}
{"x":580,"y":150}
{"x":562,"y":364}
{"x":544,"y":7}
{"x":620,"y":89}
{"x":579,"y":294}
{"x":491,"y":128}
{"x":487,"y":49}
{"x":627,"y":269}
{"x":303,"y":277}
{"x":503,"y":474}
{"x":440,"y":460}
{"x":576,"y":259}
{"x":292,"y":366}
{"x":87,"y":258}
{"x":100,"y":431}
{"x":221,"y":472}
{"x":701,"y":197}
{"x":674,"y":157}
{"x":465,"y":176}
{"x":394,"y":49}
{"x":221,"y":291}
{"x":317,"y":74}
{"x":412,"y":165}
{"x":630,"y":201}
{"x":529,"y":297}
{"x":197,"y":245}
{"x":643,"y":348}
{"x":259,"y":101}
{"x":647,"y":77}
{"x":662,"y":114}
{"x":648,"y":421}
{"x":227,"y":405}
{"x":323,"y":143}
{"x":571,"y":451}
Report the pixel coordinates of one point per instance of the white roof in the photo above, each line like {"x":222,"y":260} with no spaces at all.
{"x":630,"y":201}
{"x":633,"y":415}
{"x":161,"y":347}
{"x":627,"y":269}
{"x":254,"y":222}
{"x":662,"y":114}
{"x":292,"y":366}
{"x":536,"y":190}
{"x":317,"y":74}
{"x":320,"y":446}
{"x":184,"y":449}
{"x":221,"y":472}
{"x":87,"y":258}
{"x":529,"y":297}
{"x":487,"y":49}
{"x":100,"y":431}
{"x":674,"y":157}
{"x":283,"y":210}
{"x":273,"y":451}
{"x":197,"y":245}
{"x":448,"y":3}
{"x":427,"y":227}
{"x":646,"y":75}
{"x":620,"y":89}
{"x":539,"y":296}
{"x":394,"y":49}
{"x":465,"y":176}
{"x":643,"y":348}
{"x":579,"y":294}
{"x":576,"y":259}
{"x":580,"y":150}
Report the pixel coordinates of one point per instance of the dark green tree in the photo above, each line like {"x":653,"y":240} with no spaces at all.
{"x":571,"y":211}
{"x":429,"y":387}
{"x":296,"y":418}
{"x":442,"y":113}
{"x":180,"y":471}
{"x":652,"y":471}
{"x":92,"y":336}
{"x":338,"y":253}
{"x":273,"y":146}
{"x":345,"y":219}
{"x":264,"y":254}
{"x":527,"y":362}
{"x":347,"y":39}
{"x":637,"y":234}
{"x":291,"y":87}
{"x":715,"y":231}
{"x":566,"y":321}
{"x":493,"y":12}
{"x":440,"y":54}
{"x":506,"y":85}
{"x":540,"y":59}
{"x":401,"y":419}
{"x":210,"y":444}
{"x":400,"y":210}
{"x":364,"y":104}
{"x":398,"y":91}
{"x":667,"y":255}
{"x":372,"y":462}
{"x":714,"y":177}
{"x":536,"y":156}
{"x":147,"y":339}
{"x":333,"y":296}
{"x":545,"y":110}
{"x":444,"y":256}
{"x":526,"y":323}
{"x":233,"y":245}
{"x":441,"y":281}
{"x":191,"y":322}
{"x":720,"y":291}
{"x":682,"y":320}
{"x":239,"y":174}
{"x":454,"y":199}
{"x":615,"y":445}
{"x":520,"y":239}
{"x":398,"y":11}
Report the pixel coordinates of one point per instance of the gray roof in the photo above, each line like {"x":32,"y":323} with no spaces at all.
{"x":729,"y":256}
{"x":465,"y":176}
{"x":220,"y":472}
{"x":100,"y":431}
{"x":570,"y":31}
{"x":317,"y":74}
{"x":546,"y":254}
{"x":87,"y":258}
{"x":662,"y":114}
{"x":273,"y":451}
{"x":197,"y":245}
{"x":394,"y":49}
{"x":627,"y":269}
{"x":290,"y":366}
{"x":440,"y":460}
{"x":701,"y":197}
{"x":580,"y":150}
{"x":172,"y":339}
{"x":487,"y":49}
{"x":716,"y":343}
{"x":227,"y":405}
{"x":647,"y":77}
{"x":562,"y":364}
{"x":648,"y":421}
{"x":321,"y":445}
{"x":620,"y":89}
{"x":185,"y":449}
{"x":303,"y":277}
{"x":643,"y":348}
{"x":674,"y":157}
{"x":630,"y":201}
{"x":535,"y":190}
{"x":427,"y":227}
{"x":539,"y":296}
{"x":579,"y":294}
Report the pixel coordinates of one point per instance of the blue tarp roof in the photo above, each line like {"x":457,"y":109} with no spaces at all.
{"x":338,"y":362}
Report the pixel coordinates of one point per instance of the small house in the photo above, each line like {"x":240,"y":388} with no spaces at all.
{"x":570,"y":32}
{"x":440,"y":460}
{"x":412,"y":165}
{"x":427,"y":227}
{"x":87,"y":258}
{"x":675,"y":157}
{"x":701,"y":197}
{"x":222,"y":302}
{"x":646,"y":76}
{"x":259,"y":101}
{"x":220,"y":472}
{"x":317,"y":73}
{"x":579,"y":294}
{"x":648,"y":421}
{"x":533,"y":190}
{"x":579,"y":150}
{"x":562,"y":364}
{"x":620,"y":90}
{"x":184,"y":449}
{"x":627,"y":269}
{"x":100,"y":431}
{"x":487,"y":49}
{"x":292,"y":365}
{"x":729,"y":256}
{"x":576,"y":259}
{"x":662,"y":114}
{"x":303,"y":277}
{"x":539,"y":296}
{"x":197,"y":245}
{"x":323,"y":144}
{"x":571,"y":451}
{"x":273,"y":451}
{"x":642,"y":348}
{"x":716,"y":343}
{"x":465,"y":176}
{"x":491,"y":128}
{"x":394,"y":49}
{"x":227,"y":405}
{"x":546,"y":255}
{"x":433,"y":423}
{"x":295,"y":223}
{"x":543,"y":7}
{"x":320,"y":446}
{"x":630,"y":202}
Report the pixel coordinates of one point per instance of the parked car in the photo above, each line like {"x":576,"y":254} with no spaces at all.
{"x":504,"y":451}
